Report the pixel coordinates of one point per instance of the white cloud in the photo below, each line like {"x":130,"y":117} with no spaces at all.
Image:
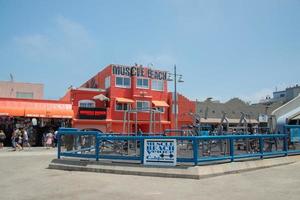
{"x":33,"y":45}
{"x":263,"y":93}
{"x":257,"y":96}
{"x":75,"y":33}
{"x":64,"y":41}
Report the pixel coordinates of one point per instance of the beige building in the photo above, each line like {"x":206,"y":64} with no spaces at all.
{"x":11,"y":89}
{"x":211,"y":112}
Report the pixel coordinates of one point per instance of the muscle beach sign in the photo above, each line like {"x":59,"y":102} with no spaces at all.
{"x":160,"y":152}
{"x":139,"y":72}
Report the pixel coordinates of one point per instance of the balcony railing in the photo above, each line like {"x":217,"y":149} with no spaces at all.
{"x":92,"y":113}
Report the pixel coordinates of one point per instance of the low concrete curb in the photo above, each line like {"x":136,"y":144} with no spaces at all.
{"x":187,"y":172}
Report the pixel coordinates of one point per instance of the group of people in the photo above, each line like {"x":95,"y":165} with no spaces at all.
{"x":19,"y":139}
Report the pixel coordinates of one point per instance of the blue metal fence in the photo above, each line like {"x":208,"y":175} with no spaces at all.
{"x":191,"y":149}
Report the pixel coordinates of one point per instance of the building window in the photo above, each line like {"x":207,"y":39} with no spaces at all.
{"x":160,"y":109}
{"x":121,"y":106}
{"x":142,"y":83}
{"x":25,"y":95}
{"x":157,"y":85}
{"x":107,"y":82}
{"x":87,"y":104}
{"x":143,"y":105}
{"x":122,"y":81}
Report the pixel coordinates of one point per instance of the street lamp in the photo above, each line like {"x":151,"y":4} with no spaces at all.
{"x":175,"y":79}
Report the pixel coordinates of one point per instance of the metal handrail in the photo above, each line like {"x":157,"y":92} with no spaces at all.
{"x":195,"y":141}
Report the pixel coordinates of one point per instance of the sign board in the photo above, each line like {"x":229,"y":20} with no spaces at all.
{"x":160,"y":152}
{"x":263,"y":118}
{"x":139,"y":71}
{"x":295,"y":134}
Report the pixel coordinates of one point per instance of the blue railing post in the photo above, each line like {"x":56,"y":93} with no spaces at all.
{"x":142,"y":142}
{"x":261,"y":147}
{"x":231,"y":143}
{"x":97,"y":147}
{"x":195,"y":150}
{"x":285,"y":145}
{"x":58,"y":145}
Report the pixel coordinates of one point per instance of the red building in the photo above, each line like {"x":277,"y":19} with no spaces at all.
{"x":125,"y":99}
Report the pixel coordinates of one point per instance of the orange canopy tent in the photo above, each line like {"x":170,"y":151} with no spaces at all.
{"x":35,"y":108}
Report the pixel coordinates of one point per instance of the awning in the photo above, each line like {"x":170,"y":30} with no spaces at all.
{"x":282,"y":120}
{"x":296,"y":117}
{"x":35,"y":113}
{"x":35,"y":108}
{"x":230,"y":121}
{"x":124,"y":100}
{"x":210,"y":120}
{"x":236,"y":121}
{"x":60,"y":113}
{"x":160,"y":103}
{"x":6,"y":111}
{"x":101,"y":97}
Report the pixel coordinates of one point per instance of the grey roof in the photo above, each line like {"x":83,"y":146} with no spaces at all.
{"x":233,"y":108}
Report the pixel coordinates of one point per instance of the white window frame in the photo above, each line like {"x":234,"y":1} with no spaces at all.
{"x":148,"y":102}
{"x":107,"y":82}
{"x":123,"y":86}
{"x":122,"y":106}
{"x":86,"y":101}
{"x":155,"y":89}
{"x":142,"y":87}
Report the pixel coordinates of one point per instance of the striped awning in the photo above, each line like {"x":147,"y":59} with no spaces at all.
{"x":160,"y":104}
{"x":124,"y":100}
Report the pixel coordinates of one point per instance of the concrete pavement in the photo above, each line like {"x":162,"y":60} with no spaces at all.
{"x":27,"y":177}
{"x":181,"y":171}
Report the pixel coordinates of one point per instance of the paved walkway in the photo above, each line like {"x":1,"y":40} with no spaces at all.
{"x":27,"y":177}
{"x":32,"y":151}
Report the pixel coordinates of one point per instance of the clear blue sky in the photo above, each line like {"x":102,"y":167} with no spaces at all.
{"x":224,"y":49}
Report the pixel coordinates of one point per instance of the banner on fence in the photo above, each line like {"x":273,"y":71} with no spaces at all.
{"x":295,"y":134}
{"x":160,"y":152}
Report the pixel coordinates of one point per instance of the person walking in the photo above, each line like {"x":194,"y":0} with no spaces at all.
{"x":14,"y":139}
{"x":19,"y":141}
{"x":2,"y":138}
{"x":25,"y":138}
{"x":49,"y":139}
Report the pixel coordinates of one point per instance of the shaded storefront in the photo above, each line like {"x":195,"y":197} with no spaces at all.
{"x":37,"y":117}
